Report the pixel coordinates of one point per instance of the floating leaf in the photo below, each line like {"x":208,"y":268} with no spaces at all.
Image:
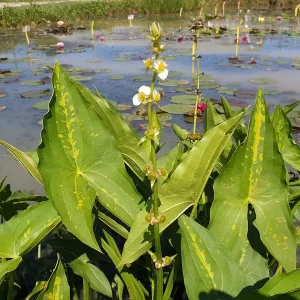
{"x":82,"y":78}
{"x":32,"y":82}
{"x":41,"y":105}
{"x":234,"y":83}
{"x":116,"y":77}
{"x":208,"y":85}
{"x":36,"y":94}
{"x":170,"y":82}
{"x":176,"y":108}
{"x":142,"y":79}
{"x":122,"y":58}
{"x":2,"y":94}
{"x":263,"y":80}
{"x":184,"y":99}
{"x":173,"y":74}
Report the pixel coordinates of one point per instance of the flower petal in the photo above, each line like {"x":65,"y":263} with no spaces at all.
{"x":145,"y":89}
{"x":136,"y":101}
{"x":163,"y":75}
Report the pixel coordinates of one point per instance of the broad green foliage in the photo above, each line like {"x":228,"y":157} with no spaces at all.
{"x":255,"y":175}
{"x":23,"y":232}
{"x":79,"y":149}
{"x":57,"y":286}
{"x":113,"y":211}
{"x":9,"y":266}
{"x":279,"y":287}
{"x":184,"y":187}
{"x":27,"y":162}
{"x":207,"y":266}
{"x":288,"y":148}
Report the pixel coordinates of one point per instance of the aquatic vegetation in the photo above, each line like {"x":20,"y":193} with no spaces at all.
{"x":211,"y":217}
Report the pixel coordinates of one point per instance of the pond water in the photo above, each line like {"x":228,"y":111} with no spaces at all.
{"x":112,"y":64}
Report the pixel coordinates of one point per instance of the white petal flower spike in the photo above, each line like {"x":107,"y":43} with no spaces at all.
{"x":142,"y":95}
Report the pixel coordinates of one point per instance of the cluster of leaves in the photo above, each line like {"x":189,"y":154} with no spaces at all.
{"x":237,"y":243}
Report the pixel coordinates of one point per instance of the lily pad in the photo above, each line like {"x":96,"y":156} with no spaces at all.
{"x":234,"y":83}
{"x":82,"y":78}
{"x":184,"y":99}
{"x":173,"y":74}
{"x":209,"y":85}
{"x":176,"y":108}
{"x":42,"y":105}
{"x":122,"y":58}
{"x":170,"y":57}
{"x":122,"y":106}
{"x":263,"y":80}
{"x":32,"y":82}
{"x":36,"y":94}
{"x":281,"y":62}
{"x":2,"y":94}
{"x":173,"y":82}
{"x":103,"y":71}
{"x":116,"y":77}
{"x":142,"y":79}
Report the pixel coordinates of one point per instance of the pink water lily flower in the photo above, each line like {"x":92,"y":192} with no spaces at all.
{"x":201,"y":106}
{"x":60,"y":45}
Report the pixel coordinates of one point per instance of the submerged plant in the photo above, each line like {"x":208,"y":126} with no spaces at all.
{"x":212,"y":218}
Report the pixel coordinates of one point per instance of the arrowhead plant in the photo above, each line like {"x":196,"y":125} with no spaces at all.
{"x":213,"y":218}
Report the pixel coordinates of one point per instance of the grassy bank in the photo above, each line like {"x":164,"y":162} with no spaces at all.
{"x":14,"y":16}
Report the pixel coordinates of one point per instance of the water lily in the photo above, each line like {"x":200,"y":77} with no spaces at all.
{"x":201,"y":106}
{"x":60,"y":46}
{"x":160,"y":67}
{"x":142,"y":95}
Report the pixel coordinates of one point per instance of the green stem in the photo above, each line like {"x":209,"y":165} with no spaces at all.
{"x":197,"y":98}
{"x":39,"y":251}
{"x":158,"y":252}
{"x":11,"y":282}
{"x":86,"y":290}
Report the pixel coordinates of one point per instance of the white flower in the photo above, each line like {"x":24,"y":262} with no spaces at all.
{"x":142,"y":95}
{"x":160,"y":67}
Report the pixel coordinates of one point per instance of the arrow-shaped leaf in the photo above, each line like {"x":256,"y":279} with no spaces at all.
{"x":79,"y":159}
{"x":256,"y":175}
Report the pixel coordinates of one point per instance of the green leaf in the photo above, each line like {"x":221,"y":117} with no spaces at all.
{"x":135,"y":156}
{"x":207,"y":266}
{"x":26,"y":230}
{"x":180,"y":132}
{"x":183,"y":188}
{"x":255,"y":174}
{"x":93,"y":275}
{"x":79,"y":149}
{"x":212,"y":118}
{"x":287,"y":146}
{"x":134,"y":287}
{"x":241,"y":131}
{"x":27,"y":162}
{"x":113,"y":225}
{"x":57,"y":286}
{"x":9,"y":266}
{"x":288,"y":108}
{"x":280,"y":286}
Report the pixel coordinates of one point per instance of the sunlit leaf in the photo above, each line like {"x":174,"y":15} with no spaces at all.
{"x":79,"y":149}
{"x":255,"y":175}
{"x":23,"y":232}
{"x":288,"y":148}
{"x":207,"y":266}
{"x":9,"y":266}
{"x":57,"y":286}
{"x":28,"y":163}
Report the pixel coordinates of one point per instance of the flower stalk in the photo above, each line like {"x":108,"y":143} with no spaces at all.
{"x":148,"y":96}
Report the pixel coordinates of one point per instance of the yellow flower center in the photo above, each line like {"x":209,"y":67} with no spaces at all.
{"x":142,"y":96}
{"x":148,"y":63}
{"x":161,"y":67}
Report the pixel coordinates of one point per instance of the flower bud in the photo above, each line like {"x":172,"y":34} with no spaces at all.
{"x":162,"y":219}
{"x":156,"y":31}
{"x":148,"y":218}
{"x":152,"y":176}
{"x":162,"y":47}
{"x":150,"y":134}
{"x":163,"y":172}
